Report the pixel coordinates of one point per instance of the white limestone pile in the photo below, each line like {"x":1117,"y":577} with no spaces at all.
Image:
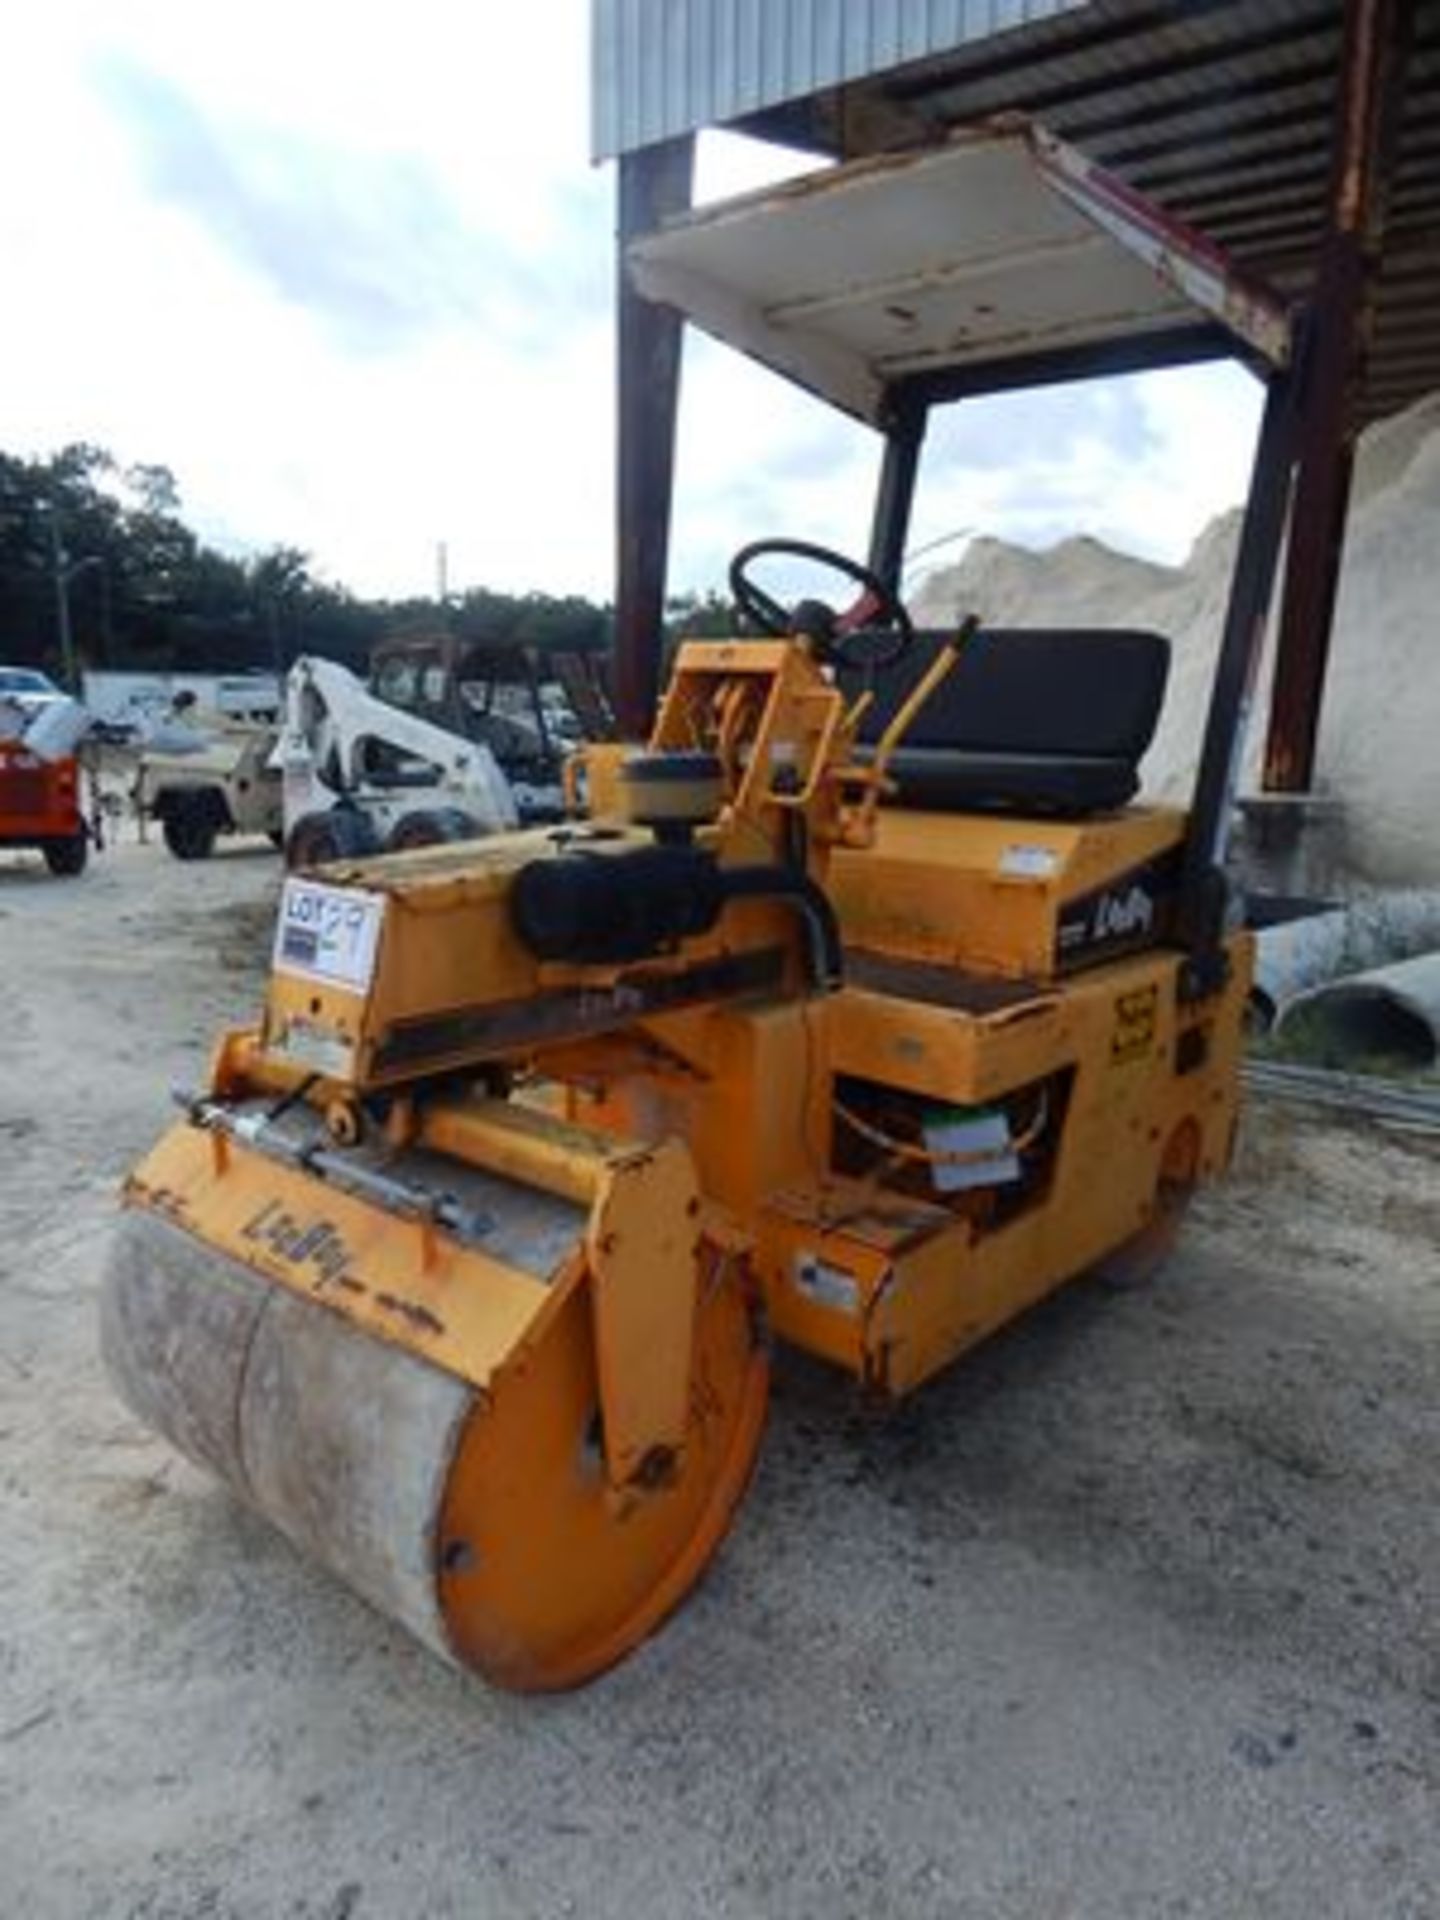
{"x":1379,"y":750}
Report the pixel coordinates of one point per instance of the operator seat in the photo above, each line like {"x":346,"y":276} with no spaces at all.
{"x":1030,"y":720}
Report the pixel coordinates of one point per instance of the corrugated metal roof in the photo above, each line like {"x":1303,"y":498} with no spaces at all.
{"x":666,"y":67}
{"x":1220,"y":110}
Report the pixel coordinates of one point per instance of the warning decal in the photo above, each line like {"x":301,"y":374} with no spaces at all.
{"x":1134,"y":1032}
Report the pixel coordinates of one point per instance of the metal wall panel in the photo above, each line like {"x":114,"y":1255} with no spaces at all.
{"x":665,"y":67}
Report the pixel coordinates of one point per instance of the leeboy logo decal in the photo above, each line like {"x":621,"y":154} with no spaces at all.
{"x":1118,"y":915}
{"x":1123,"y":914}
{"x":1103,"y":919}
{"x":316,"y":1244}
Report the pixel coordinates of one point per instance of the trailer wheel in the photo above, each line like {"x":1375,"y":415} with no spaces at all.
{"x":65,"y":858}
{"x":340,"y":833}
{"x":430,"y":827}
{"x":189,"y":827}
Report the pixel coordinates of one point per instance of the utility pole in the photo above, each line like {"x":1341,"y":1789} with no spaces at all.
{"x":272,"y":628}
{"x":62,"y":602}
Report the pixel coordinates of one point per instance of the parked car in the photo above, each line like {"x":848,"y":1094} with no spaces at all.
{"x":27,"y":688}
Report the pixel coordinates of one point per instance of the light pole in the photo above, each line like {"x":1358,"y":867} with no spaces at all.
{"x":64,"y":571}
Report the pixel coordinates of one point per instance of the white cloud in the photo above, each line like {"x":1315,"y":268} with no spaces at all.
{"x":348,"y":272}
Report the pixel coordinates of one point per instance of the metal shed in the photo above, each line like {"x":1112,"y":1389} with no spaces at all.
{"x":1303,"y":136}
{"x":661,"y":71}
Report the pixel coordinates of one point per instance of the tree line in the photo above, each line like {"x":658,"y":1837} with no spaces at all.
{"x":143,"y":591}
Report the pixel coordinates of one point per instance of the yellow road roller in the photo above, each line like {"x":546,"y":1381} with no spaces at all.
{"x":858,"y":1008}
{"x":464,"y":1266}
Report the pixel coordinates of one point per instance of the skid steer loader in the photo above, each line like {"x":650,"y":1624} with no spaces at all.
{"x":860,"y":1008}
{"x":358,"y":774}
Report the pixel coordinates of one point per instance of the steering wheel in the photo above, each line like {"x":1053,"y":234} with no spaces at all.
{"x":878,"y":611}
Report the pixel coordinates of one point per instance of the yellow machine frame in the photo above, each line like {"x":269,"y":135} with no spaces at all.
{"x":735,"y":1148}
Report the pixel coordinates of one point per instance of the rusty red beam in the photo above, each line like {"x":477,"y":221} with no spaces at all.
{"x":654,"y":183}
{"x":1368,"y":113}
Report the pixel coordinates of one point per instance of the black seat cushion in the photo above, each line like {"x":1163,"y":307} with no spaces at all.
{"x":1029,"y":720}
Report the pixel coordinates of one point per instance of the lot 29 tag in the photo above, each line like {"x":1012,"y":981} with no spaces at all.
{"x":328,"y":933}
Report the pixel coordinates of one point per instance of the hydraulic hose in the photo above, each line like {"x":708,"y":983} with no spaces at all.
{"x":610,"y":910}
{"x":796,"y":889}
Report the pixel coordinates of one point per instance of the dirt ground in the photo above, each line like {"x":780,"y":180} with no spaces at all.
{"x":1135,"y":1613}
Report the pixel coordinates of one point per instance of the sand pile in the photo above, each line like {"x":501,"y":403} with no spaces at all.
{"x":1379,"y":749}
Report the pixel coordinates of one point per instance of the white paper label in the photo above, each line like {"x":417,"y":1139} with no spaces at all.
{"x":316,"y":1048}
{"x":328,"y":933}
{"x":827,"y":1286}
{"x":1029,"y":863}
{"x":981,"y":1142}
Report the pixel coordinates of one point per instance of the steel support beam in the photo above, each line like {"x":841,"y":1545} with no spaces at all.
{"x":1372,"y":74}
{"x":1179,"y":346}
{"x":899,"y":467}
{"x":1203,"y":888}
{"x":653,"y":183}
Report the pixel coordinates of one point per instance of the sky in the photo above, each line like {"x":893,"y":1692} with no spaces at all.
{"x":347,"y":271}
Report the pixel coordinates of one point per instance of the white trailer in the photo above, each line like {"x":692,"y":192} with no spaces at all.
{"x":141,"y":702}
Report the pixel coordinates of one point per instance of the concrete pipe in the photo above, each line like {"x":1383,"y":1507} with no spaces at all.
{"x":1295,"y":955}
{"x":1388,"y":1014}
{"x":1291,"y":957}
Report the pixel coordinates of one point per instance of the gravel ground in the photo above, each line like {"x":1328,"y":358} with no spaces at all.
{"x":1135,"y":1613}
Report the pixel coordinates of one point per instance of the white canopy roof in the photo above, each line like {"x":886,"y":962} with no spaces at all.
{"x":1002,"y":245}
